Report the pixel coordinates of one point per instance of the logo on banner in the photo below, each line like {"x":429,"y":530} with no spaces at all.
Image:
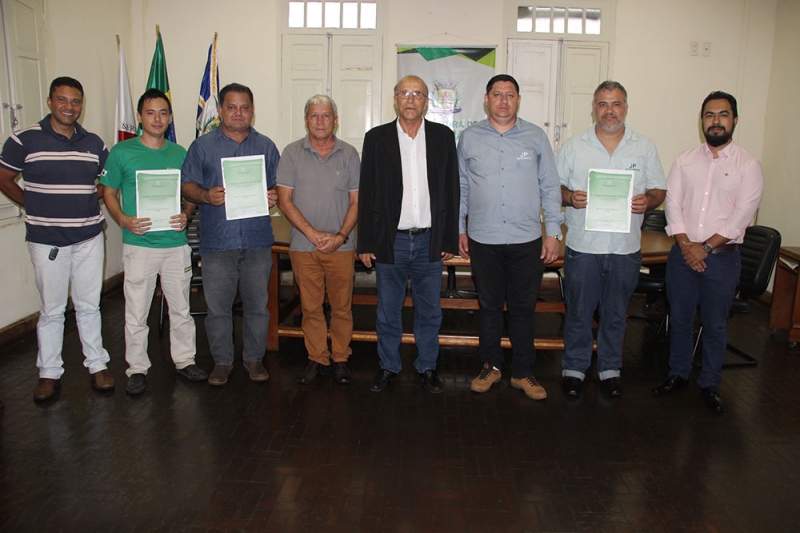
{"x":445,"y":98}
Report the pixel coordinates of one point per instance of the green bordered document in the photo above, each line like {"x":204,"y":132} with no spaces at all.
{"x":158,"y":197}
{"x":609,"y":200}
{"x":245,"y":182}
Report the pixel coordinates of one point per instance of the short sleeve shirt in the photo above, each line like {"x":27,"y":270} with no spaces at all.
{"x":322,"y":187}
{"x":584,"y":152}
{"x":203,"y":166}
{"x":125,"y":159}
{"x":60,"y":173}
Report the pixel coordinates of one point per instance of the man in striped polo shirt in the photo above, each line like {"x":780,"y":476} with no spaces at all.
{"x":61,"y":162}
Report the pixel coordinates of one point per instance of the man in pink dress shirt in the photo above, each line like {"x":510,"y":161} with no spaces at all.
{"x":713,"y":192}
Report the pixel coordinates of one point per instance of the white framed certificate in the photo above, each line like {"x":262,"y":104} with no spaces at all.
{"x":608,"y":196}
{"x":158,"y":197}
{"x":245,"y":182}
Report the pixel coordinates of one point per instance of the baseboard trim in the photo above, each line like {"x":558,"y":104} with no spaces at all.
{"x":15,"y":331}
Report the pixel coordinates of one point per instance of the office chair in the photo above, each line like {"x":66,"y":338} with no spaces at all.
{"x":759,"y":252}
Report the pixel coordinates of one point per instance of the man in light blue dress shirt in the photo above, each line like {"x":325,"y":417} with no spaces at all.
{"x":508,"y":177}
{"x":602,"y":268}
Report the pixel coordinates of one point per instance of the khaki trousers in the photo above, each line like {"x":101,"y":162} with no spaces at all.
{"x":314,"y":273}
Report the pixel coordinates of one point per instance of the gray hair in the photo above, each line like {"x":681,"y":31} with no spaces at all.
{"x":610,"y":85}
{"x":321,"y":99}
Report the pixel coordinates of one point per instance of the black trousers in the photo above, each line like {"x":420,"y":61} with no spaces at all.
{"x":512,"y":274}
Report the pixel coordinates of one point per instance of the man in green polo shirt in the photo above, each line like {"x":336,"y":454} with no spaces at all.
{"x":150,"y":253}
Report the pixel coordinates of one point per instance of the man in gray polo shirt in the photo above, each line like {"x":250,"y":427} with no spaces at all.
{"x":318,"y":193}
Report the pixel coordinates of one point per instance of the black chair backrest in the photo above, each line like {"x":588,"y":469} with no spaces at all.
{"x":759,"y":253}
{"x":655,"y":221}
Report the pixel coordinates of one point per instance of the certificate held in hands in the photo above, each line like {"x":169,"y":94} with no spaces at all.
{"x":608,"y":199}
{"x":245,"y":182}
{"x":158,"y":197}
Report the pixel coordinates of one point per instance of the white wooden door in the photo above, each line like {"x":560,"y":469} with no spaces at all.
{"x":535,"y":67}
{"x":304,"y":73}
{"x":356,"y":86}
{"x":23,"y":87}
{"x":557,"y":80}
{"x":585,"y":67}
{"x":345,"y":67}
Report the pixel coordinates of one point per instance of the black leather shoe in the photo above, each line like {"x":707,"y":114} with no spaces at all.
{"x":341,"y":373}
{"x":312,"y":371}
{"x":192,"y":373}
{"x":612,"y":386}
{"x":571,"y":385}
{"x":670,"y":385}
{"x":712,"y":399}
{"x":431,"y":382}
{"x":382,"y":380}
{"x":137,"y":383}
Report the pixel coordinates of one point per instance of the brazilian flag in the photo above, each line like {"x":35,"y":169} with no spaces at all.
{"x":159,"y":80}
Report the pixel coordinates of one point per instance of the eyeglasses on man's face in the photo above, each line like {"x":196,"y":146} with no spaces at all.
{"x":405,"y":95}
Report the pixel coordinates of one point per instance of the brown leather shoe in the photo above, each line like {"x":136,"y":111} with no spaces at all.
{"x":45,"y":389}
{"x":219,"y":376}
{"x":102,"y":380}
{"x":256,"y":370}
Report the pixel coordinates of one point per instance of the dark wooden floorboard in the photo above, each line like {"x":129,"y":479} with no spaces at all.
{"x":280,"y":457}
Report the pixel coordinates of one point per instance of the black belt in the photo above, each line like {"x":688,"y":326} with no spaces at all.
{"x":414,"y":231}
{"x":725,"y":248}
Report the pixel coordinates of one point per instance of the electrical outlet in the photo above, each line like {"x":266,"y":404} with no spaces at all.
{"x":694,"y":48}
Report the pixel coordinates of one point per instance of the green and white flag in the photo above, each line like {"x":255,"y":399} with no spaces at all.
{"x":159,"y":80}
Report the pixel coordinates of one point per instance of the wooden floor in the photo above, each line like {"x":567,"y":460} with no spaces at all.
{"x":281,"y":457}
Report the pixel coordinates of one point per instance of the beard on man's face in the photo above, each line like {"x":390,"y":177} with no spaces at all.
{"x":717,"y":136}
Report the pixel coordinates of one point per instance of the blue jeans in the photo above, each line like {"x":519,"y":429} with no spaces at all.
{"x":512,"y":274}
{"x":410,"y":260}
{"x":604,"y":282}
{"x":223,"y":272}
{"x":713,"y":290}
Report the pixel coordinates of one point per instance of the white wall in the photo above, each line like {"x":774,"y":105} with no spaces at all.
{"x":247,"y":53}
{"x":781,"y":154}
{"x":666,"y":85}
{"x":650,"y":56}
{"x":88,"y":54}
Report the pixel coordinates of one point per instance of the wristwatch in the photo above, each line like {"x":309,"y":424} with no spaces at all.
{"x":344,"y":237}
{"x":707,"y":248}
{"x":556,"y":237}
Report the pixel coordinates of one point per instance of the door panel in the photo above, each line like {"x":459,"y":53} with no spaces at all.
{"x":304,"y":73}
{"x":22,"y":83}
{"x":356,"y":78}
{"x":557,"y":80}
{"x":585,"y":66}
{"x":535,"y":67}
{"x":345,"y":67}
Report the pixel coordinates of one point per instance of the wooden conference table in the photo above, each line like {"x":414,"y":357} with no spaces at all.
{"x":655,"y":248}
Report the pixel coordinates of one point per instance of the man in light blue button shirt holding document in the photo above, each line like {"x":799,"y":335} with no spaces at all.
{"x":508,"y":177}
{"x":602,"y":267}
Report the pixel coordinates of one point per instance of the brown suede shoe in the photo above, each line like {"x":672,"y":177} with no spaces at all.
{"x":102,"y":380}
{"x":532,"y":389}
{"x":488,"y":377}
{"x":45,"y":389}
